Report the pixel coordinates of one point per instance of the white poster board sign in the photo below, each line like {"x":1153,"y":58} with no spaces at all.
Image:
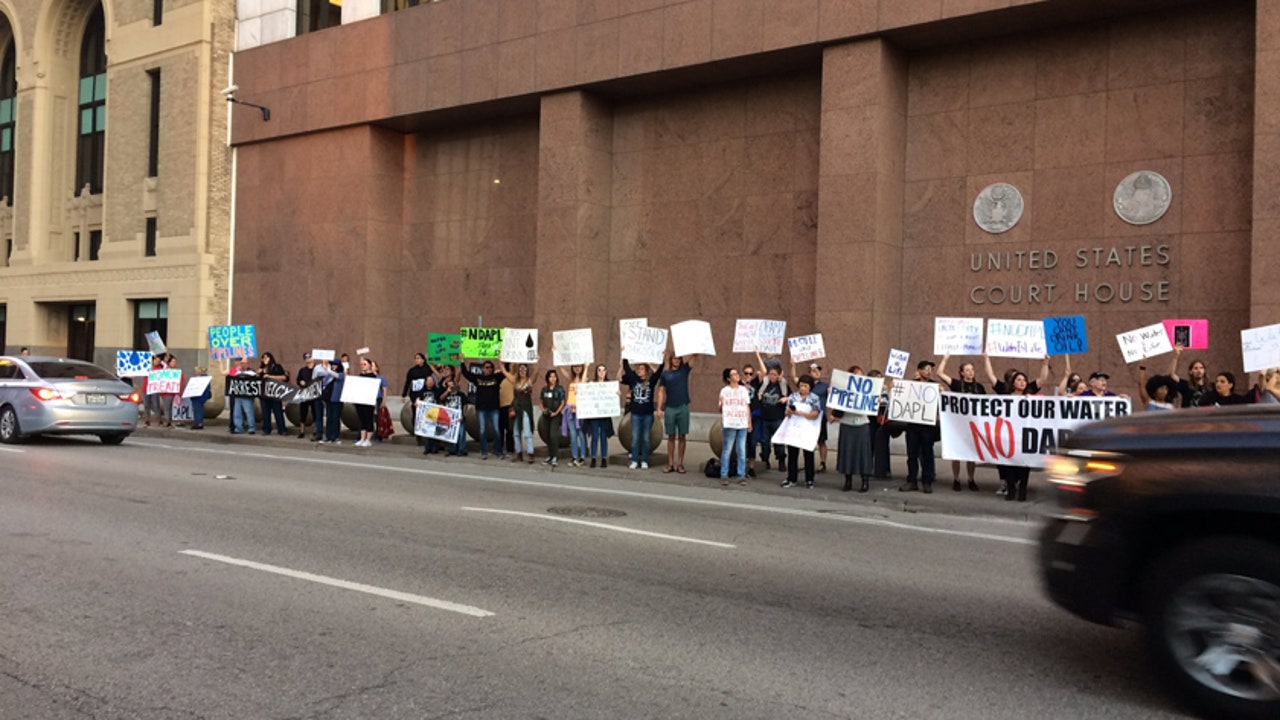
{"x":641,"y":343}
{"x":765,"y":336}
{"x":196,"y":386}
{"x":359,"y":390}
{"x":1017,"y":429}
{"x":957,"y":336}
{"x":573,"y":347}
{"x":797,"y":431}
{"x":164,"y":382}
{"x":1261,"y":348}
{"x":1016,"y":338}
{"x":692,"y":337}
{"x":598,"y":400}
{"x":1144,"y":342}
{"x":321,"y":354}
{"x":806,"y":347}
{"x":437,"y":422}
{"x":896,"y":366}
{"x":182,"y":411}
{"x":519,"y":345}
{"x":856,"y":394}
{"x":914,"y":402}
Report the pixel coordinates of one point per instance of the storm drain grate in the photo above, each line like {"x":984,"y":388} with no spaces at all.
{"x":591,"y":512}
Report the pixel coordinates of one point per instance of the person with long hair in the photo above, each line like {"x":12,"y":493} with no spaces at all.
{"x":553,"y":402}
{"x":967,"y":383}
{"x":1195,"y":385}
{"x":735,"y":425}
{"x":272,"y":408}
{"x":569,"y":423}
{"x":1014,"y":477}
{"x":365,"y":413}
{"x":598,"y":430}
{"x":642,"y":382}
{"x":521,"y":414}
{"x":1223,"y":392}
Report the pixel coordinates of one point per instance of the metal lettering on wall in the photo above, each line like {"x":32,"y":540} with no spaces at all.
{"x":1119,"y":258}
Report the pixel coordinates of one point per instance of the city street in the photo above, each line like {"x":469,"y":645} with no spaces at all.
{"x":178,"y":578}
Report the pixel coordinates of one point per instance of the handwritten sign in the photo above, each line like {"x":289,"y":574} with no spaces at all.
{"x":641,"y":343}
{"x":437,"y":422}
{"x":598,"y":400}
{"x":1065,"y":335}
{"x":227,"y":342}
{"x":164,"y":382}
{"x":806,"y":347}
{"x":856,"y":394}
{"x":359,"y":390}
{"x":443,"y":349}
{"x":1261,"y":348}
{"x":519,"y":345}
{"x":1144,"y":342}
{"x":481,"y":343}
{"x":1016,"y":338}
{"x":957,"y":336}
{"x":196,"y":386}
{"x":914,"y":402}
{"x":319,"y":354}
{"x":182,"y":411}
{"x":155,"y":343}
{"x":896,"y":366}
{"x":692,"y":337}
{"x":573,"y":347}
{"x":1190,"y":334}
{"x":765,"y":336}
{"x":133,"y":363}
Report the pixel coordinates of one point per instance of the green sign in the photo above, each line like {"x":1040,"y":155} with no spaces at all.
{"x":444,"y":349}
{"x":481,"y":343}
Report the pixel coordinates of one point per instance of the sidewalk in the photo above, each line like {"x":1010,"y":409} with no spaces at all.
{"x":883,"y":495}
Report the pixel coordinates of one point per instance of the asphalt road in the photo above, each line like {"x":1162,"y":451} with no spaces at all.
{"x":178,"y":579}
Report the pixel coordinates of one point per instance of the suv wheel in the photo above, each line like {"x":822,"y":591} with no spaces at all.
{"x":10,"y":432}
{"x":1213,"y":622}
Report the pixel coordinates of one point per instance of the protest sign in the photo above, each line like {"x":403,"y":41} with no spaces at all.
{"x":318,"y":354}
{"x":362,"y":351}
{"x":519,"y":345}
{"x":856,"y":394}
{"x":692,"y":337}
{"x":896,"y":366}
{"x":155,"y":343}
{"x":133,"y":363}
{"x":182,"y":411}
{"x":746,"y":336}
{"x":444,"y":349}
{"x":573,"y":347}
{"x":249,"y":386}
{"x":765,"y":336}
{"x":227,"y":342}
{"x":914,"y":402}
{"x":1190,"y":334}
{"x":1144,"y":342}
{"x":196,"y":386}
{"x":359,"y":390}
{"x":797,"y":431}
{"x":957,"y":336}
{"x":1261,"y":348}
{"x":481,"y":343}
{"x":1016,"y":429}
{"x":276,"y":390}
{"x":437,"y":422}
{"x":310,"y":393}
{"x":164,"y":382}
{"x":1016,"y":338}
{"x":641,"y":343}
{"x":1065,"y":335}
{"x":598,"y":400}
{"x":806,"y":347}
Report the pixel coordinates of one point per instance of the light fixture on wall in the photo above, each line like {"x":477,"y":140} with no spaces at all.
{"x":230,"y":92}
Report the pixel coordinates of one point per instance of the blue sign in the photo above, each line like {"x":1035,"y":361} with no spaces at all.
{"x":227,"y":342}
{"x":1066,"y":335}
{"x":133,"y":363}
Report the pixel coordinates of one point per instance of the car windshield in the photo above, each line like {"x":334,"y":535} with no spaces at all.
{"x":70,"y":371}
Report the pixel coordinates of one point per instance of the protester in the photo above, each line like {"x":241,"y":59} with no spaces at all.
{"x":599,"y":430}
{"x":506,"y":426}
{"x":569,"y":424}
{"x":452,"y":398}
{"x":820,"y":390}
{"x":1195,"y":386}
{"x":967,"y":383}
{"x":673,"y":409}
{"x":427,"y":397}
{"x":1098,"y":386}
{"x":1157,"y":393}
{"x":488,"y":400}
{"x":642,"y":382}
{"x":365,"y":413}
{"x":384,"y":428}
{"x":1013,"y":477}
{"x":1071,"y":384}
{"x":333,"y":403}
{"x":271,"y":407}
{"x":242,"y":419}
{"x":151,"y":400}
{"x":168,"y":399}
{"x":753,"y":383}
{"x":553,"y":402}
{"x":197,"y":403}
{"x":1270,"y":388}
{"x":521,"y":382}
{"x":306,"y":409}
{"x":804,"y":405}
{"x":1223,"y":392}
{"x":735,"y":425}
{"x":881,"y":433}
{"x":921,"y":470}
{"x":773,"y":394}
{"x":322,"y":373}
{"x":415,"y":384}
{"x":853,"y":453}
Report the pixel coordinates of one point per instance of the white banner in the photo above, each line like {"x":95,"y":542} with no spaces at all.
{"x":164,"y":382}
{"x":573,"y":347}
{"x":519,"y":345}
{"x":806,"y":348}
{"x":896,"y":366}
{"x":1144,"y":342}
{"x":437,"y":422}
{"x":360,"y":390}
{"x":196,"y":386}
{"x":1261,"y":348}
{"x":692,"y":337}
{"x":1016,"y":338}
{"x":1016,"y":429}
{"x":957,"y":336}
{"x":641,"y":343}
{"x":856,"y":394}
{"x":797,"y":431}
{"x":914,"y":402}
{"x":598,"y":400}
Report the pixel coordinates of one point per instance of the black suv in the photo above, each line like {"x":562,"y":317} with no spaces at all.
{"x":1173,"y":519}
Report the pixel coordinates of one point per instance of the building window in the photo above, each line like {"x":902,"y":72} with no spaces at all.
{"x":75,"y":239}
{"x":8,"y":117}
{"x":150,"y":249}
{"x":316,"y":15}
{"x":157,"y":12}
{"x":153,"y":144}
{"x":394,"y":5}
{"x":149,"y":316}
{"x":92,"y":125}
{"x":95,"y":244}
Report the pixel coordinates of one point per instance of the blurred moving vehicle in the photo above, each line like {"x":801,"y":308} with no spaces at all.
{"x":57,"y":396}
{"x":1173,"y":520}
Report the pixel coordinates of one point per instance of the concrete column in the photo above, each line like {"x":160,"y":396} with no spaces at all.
{"x":858,"y":297}
{"x":1265,"y":291}
{"x":575,"y":180}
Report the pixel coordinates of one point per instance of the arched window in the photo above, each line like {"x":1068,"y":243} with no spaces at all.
{"x":8,"y":115}
{"x":92,"y":126}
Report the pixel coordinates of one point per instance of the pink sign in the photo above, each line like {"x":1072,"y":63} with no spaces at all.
{"x":1190,"y":334}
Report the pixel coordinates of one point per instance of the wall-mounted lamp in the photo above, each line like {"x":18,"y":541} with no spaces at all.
{"x":230,"y":92}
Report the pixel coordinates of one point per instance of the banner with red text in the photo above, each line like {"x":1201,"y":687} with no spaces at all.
{"x":1016,"y":429}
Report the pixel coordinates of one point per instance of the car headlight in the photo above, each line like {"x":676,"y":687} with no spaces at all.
{"x":1077,"y":468}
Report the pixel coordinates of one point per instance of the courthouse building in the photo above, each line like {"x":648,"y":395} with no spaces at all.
{"x":115,"y":174}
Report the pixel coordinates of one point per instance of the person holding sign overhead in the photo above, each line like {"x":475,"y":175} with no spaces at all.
{"x":968,"y":384}
{"x":488,"y":399}
{"x":521,"y":382}
{"x":673,"y":409}
{"x":642,"y":381}
{"x":1014,"y":477}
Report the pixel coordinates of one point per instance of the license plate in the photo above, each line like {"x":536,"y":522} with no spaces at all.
{"x":95,"y":399}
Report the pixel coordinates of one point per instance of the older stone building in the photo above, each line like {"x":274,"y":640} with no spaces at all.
{"x":115,"y":173}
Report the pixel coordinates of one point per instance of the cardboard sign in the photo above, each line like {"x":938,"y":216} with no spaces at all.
{"x":133,"y":363}
{"x":1065,"y":335}
{"x":437,"y":422}
{"x":797,"y":431}
{"x":896,"y":366}
{"x":856,"y":394}
{"x":598,"y":400}
{"x":806,"y":347}
{"x":196,"y":386}
{"x":1144,"y":342}
{"x":227,"y":342}
{"x":481,"y":343}
{"x":359,"y":390}
{"x":519,"y":345}
{"x":1190,"y":334}
{"x":765,"y":336}
{"x":322,"y":355}
{"x":1016,"y":429}
{"x":641,"y":343}
{"x":573,"y":347}
{"x":182,"y":411}
{"x":957,"y":336}
{"x":914,"y":402}
{"x":1016,"y":338}
{"x":1261,"y":348}
{"x":164,"y":382}
{"x":155,"y":343}
{"x":692,"y":337}
{"x":443,"y":349}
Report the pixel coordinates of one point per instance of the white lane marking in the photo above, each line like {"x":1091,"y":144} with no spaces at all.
{"x":794,"y":512}
{"x":603,"y":526}
{"x":5,"y":449}
{"x":344,"y":584}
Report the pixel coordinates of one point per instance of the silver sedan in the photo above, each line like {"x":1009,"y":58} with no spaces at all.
{"x":56,"y":396}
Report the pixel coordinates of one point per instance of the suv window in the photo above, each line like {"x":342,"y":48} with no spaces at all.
{"x":70,"y":371}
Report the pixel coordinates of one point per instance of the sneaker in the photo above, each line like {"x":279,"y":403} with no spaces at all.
{"x":555,"y":462}
{"x":484,"y":456}
{"x":1004,"y":488}
{"x":547,"y":461}
{"x":787,"y":484}
{"x":808,"y":486}
{"x":633,"y":465}
{"x":973,"y":486}
{"x":955,"y":485}
{"x":644,"y":466}
{"x":335,"y":442}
